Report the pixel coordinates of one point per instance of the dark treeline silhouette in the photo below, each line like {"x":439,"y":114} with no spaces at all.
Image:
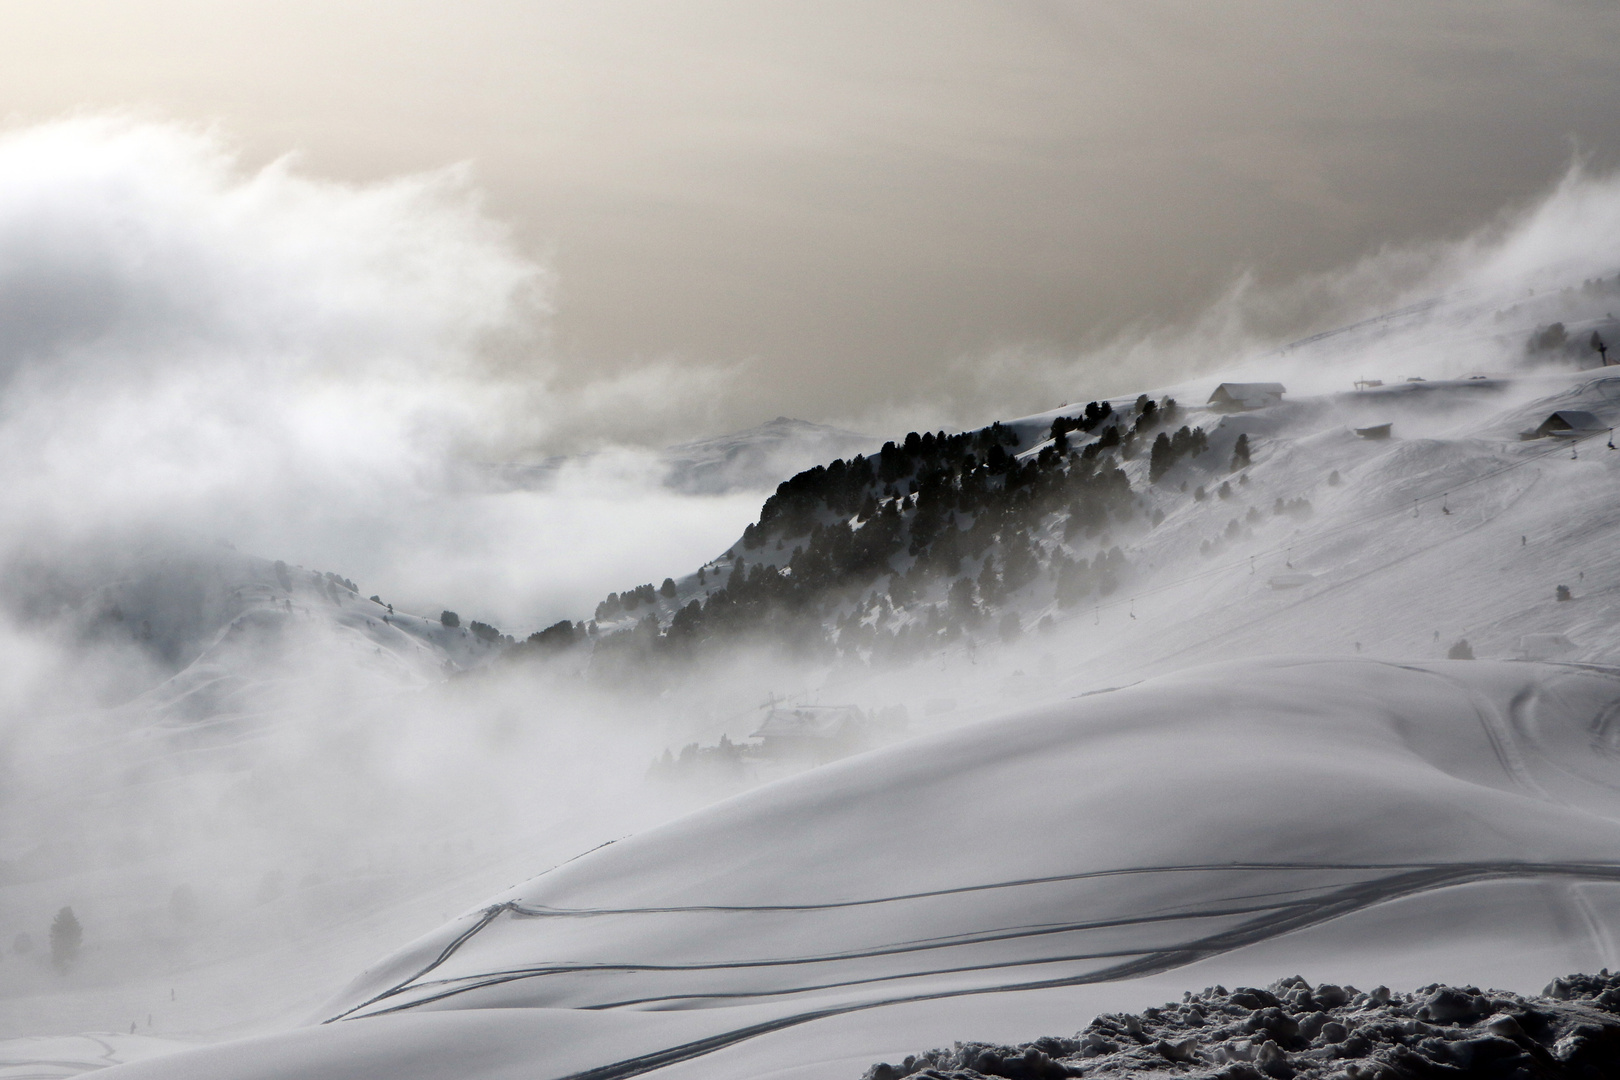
{"x":1170,"y":449}
{"x":615,"y":604}
{"x":885,"y":555}
{"x":557,"y":636}
{"x":488,"y":634}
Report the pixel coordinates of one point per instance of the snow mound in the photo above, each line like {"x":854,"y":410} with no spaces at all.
{"x":48,"y":1057}
{"x":1389,"y":819}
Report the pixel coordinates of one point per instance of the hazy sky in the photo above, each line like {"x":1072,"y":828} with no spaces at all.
{"x":857,"y":197}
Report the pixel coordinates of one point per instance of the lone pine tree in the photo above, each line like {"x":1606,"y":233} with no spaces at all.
{"x":1240,"y":453}
{"x":66,"y":936}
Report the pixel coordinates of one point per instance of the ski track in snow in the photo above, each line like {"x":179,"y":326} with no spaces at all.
{"x":1292,"y":917}
{"x":1271,"y":920}
{"x":1500,"y":732}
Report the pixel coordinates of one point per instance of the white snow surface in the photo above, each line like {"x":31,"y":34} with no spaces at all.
{"x":46,"y":1057}
{"x":1352,"y":819}
{"x":1369,"y":813}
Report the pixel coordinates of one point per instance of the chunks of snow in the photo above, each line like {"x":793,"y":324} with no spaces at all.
{"x":1570,"y":1030}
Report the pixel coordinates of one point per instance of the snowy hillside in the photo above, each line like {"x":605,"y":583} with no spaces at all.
{"x":204,"y":618}
{"x":1399,"y":520}
{"x":1361,"y":820}
{"x":188,"y":802}
{"x":1075,"y":823}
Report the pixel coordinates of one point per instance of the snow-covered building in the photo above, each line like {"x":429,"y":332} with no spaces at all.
{"x":805,"y":722}
{"x":1236,"y":396}
{"x":812,"y":729}
{"x":1565,"y":423}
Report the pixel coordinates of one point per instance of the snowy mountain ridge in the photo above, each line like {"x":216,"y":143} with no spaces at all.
{"x":214,"y":626}
{"x":1055,"y":530}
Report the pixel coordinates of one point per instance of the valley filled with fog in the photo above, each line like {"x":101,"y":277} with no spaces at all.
{"x":379,"y":705}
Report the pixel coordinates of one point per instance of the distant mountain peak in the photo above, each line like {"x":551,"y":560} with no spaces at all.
{"x":760,"y":457}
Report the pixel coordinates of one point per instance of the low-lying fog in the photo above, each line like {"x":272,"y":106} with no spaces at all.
{"x":205,"y":371}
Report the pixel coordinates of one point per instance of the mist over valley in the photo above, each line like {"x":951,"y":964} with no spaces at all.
{"x":389,"y":693}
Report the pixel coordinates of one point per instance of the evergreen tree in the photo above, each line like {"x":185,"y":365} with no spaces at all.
{"x":667,"y":589}
{"x":962,"y":602}
{"x":66,"y":936}
{"x":449,"y":619}
{"x":559,"y":635}
{"x":989,"y":581}
{"x":1160,"y":458}
{"x":1240,"y":453}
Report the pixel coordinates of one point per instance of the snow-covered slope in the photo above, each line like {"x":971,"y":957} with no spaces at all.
{"x":1371,"y":815}
{"x":212,"y":625}
{"x":195,"y":809}
{"x":1452,"y":527}
{"x":260,"y":624}
{"x":1355,"y":819}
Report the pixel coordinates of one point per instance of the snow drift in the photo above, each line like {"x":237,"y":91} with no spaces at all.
{"x":1376,"y":816}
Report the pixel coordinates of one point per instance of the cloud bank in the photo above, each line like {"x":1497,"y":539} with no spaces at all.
{"x":300,"y":367}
